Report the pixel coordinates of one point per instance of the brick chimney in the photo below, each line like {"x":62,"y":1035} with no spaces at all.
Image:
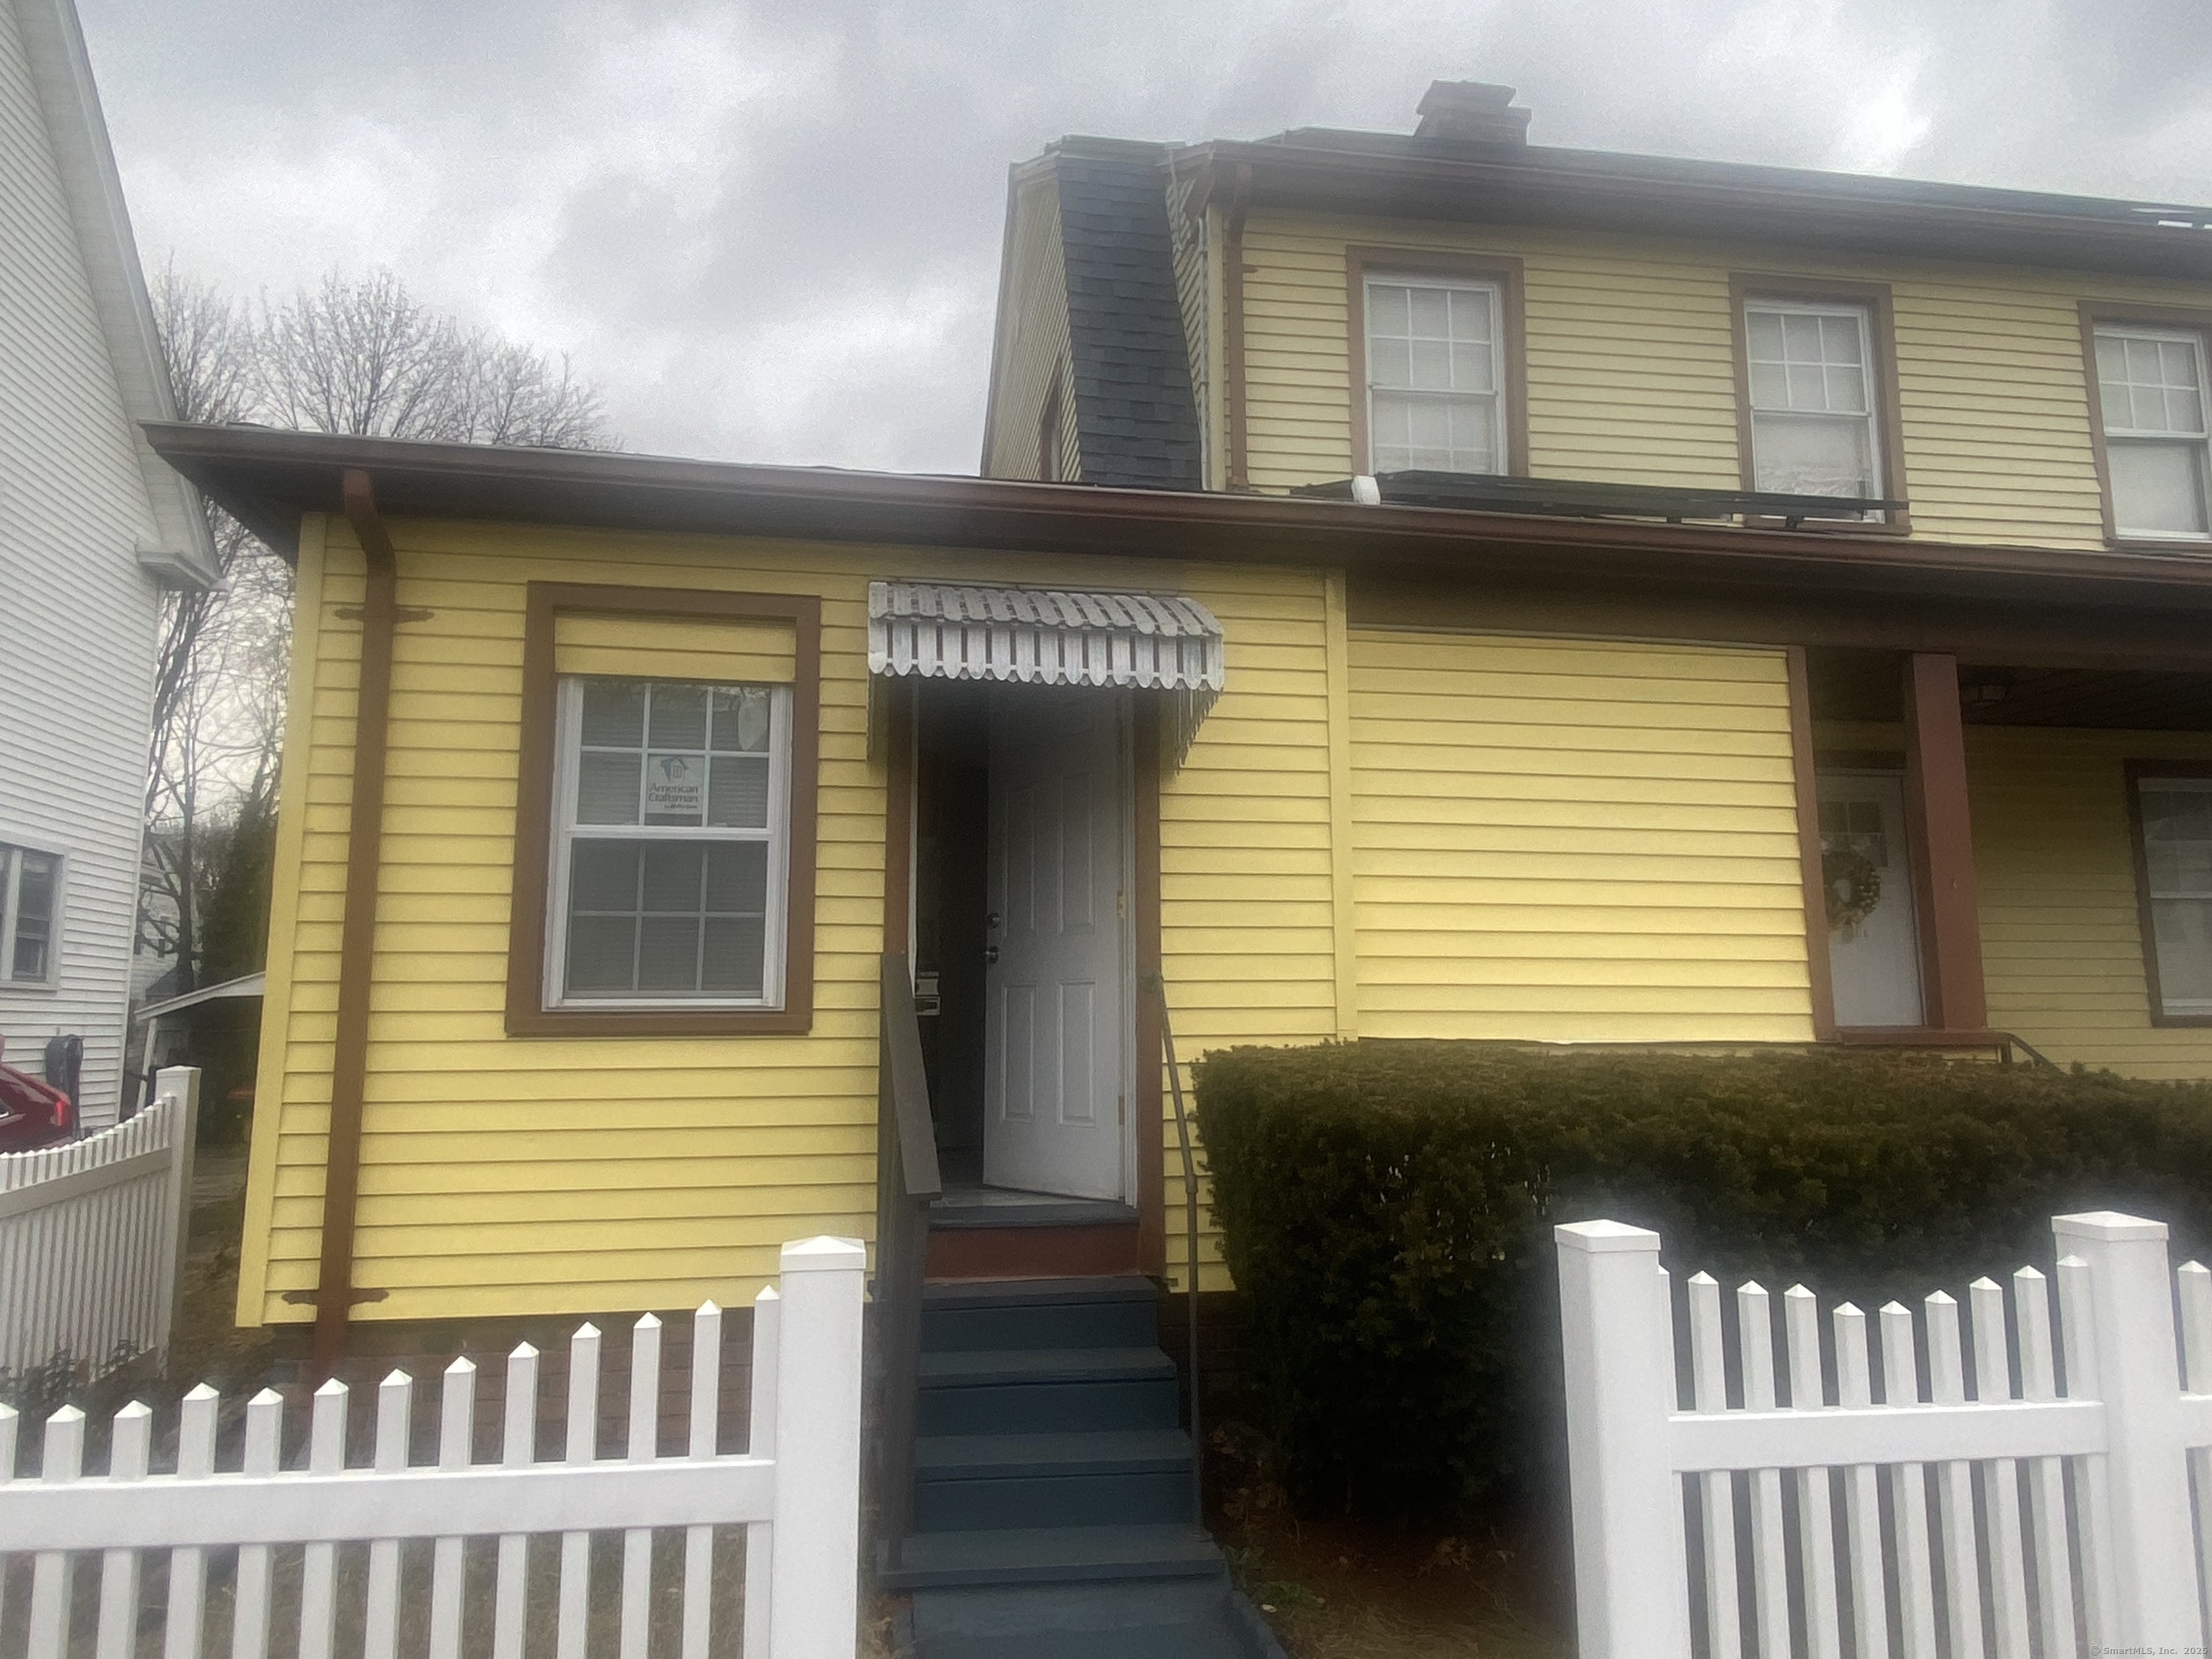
{"x":1471,"y":112}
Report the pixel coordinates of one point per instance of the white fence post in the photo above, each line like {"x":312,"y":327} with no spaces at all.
{"x":1631,"y":1594}
{"x":182,"y":1084}
{"x":2144,"y":1470}
{"x":815,"y":1544}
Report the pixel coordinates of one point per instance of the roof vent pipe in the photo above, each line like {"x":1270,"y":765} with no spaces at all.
{"x":1471,"y":112}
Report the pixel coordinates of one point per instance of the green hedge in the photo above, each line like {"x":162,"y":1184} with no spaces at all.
{"x":1386,"y":1208}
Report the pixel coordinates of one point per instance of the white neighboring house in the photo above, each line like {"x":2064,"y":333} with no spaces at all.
{"x":92,"y":527}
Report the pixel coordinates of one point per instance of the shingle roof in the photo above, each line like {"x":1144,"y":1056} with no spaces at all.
{"x":1135,"y":416}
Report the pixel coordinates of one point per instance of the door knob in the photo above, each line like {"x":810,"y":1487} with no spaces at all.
{"x":990,"y":953}
{"x":991,"y":919}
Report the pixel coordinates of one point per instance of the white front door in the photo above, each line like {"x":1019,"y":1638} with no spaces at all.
{"x":1053,"y":1012}
{"x":1873,"y":946}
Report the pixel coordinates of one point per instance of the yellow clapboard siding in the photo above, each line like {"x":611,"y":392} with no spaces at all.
{"x":698,"y":648}
{"x":506,"y":1175}
{"x":1656,"y":895}
{"x":2062,"y":946}
{"x":1630,"y":373}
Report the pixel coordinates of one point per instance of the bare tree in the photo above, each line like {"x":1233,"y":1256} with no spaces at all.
{"x":365,"y":357}
{"x":355,"y":355}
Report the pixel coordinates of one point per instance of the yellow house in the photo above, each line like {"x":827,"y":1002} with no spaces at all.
{"x":1421,"y":586}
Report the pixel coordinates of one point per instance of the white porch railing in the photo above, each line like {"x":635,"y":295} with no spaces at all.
{"x":1979,"y":1508}
{"x":92,"y":1236}
{"x":796,"y":1489}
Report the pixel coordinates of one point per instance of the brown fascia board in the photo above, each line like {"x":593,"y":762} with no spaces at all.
{"x":1377,"y":177}
{"x":268,"y":478}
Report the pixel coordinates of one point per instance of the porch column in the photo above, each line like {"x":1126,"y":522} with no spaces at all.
{"x":1942,"y":844}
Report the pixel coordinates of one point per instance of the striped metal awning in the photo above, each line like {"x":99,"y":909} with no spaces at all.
{"x":1052,"y":636}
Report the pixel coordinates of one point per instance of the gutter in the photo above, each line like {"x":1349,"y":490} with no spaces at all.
{"x":334,"y":1294}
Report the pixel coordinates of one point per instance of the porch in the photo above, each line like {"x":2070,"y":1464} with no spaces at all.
{"x":2034,"y":840}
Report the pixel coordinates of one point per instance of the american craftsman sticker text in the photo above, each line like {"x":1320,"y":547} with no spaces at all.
{"x":675,"y":787}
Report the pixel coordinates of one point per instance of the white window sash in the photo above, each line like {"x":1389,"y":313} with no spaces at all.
{"x":2198,"y":440}
{"x":11,"y":913}
{"x":775,"y":925}
{"x":2168,"y":1004}
{"x":1861,"y":317}
{"x":1493,"y":295}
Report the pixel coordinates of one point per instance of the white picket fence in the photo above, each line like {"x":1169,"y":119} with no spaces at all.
{"x":1996,"y":1513}
{"x":796,"y":1489}
{"x":92,"y":1236}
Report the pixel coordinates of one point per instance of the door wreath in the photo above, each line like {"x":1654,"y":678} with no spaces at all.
{"x":1854,"y":887}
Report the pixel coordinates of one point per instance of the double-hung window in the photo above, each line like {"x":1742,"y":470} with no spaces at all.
{"x":2151,"y":390}
{"x":1436,"y":375}
{"x":2175,"y":816}
{"x":1815,"y":425}
{"x":30,"y":915}
{"x":671,"y":844}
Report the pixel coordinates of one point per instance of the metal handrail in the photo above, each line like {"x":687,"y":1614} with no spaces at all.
{"x":907,"y":1183}
{"x":1159,"y":988}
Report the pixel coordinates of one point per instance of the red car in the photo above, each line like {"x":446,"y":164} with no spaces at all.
{"x":32,"y":1114}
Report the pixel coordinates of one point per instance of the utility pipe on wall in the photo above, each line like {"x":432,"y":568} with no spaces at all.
{"x":334,"y":1288}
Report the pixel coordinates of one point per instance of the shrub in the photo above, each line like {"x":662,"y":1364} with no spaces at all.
{"x":1386,"y":1208}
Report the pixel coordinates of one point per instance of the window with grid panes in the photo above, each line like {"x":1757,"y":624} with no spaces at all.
{"x":671,"y":825}
{"x":1435,"y":377}
{"x":1813,"y":409}
{"x":2150,"y":385}
{"x":30,"y":899}
{"x":2176,"y":837}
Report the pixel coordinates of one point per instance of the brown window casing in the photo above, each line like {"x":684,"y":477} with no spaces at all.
{"x":526,"y":1012}
{"x":2135,"y":771}
{"x":1882,"y":341}
{"x":2096,"y":311}
{"x":1504,"y":270}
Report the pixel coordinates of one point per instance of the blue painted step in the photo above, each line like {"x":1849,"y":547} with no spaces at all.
{"x":1053,"y":1505}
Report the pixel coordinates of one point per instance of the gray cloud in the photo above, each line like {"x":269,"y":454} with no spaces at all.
{"x":771,"y":232}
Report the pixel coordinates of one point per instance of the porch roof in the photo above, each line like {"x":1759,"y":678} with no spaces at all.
{"x":1838,"y":585}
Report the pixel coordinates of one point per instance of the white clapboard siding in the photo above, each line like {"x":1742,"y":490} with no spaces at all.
{"x":81,"y":496}
{"x":1955,"y":1517}
{"x":92,"y":1237}
{"x":796,"y":1489}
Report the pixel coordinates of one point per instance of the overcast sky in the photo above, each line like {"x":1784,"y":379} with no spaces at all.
{"x":770,"y":232}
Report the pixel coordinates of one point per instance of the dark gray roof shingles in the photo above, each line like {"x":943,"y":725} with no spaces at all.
{"x":1135,"y":417}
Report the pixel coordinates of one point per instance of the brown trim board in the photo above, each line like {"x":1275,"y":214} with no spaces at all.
{"x":2135,"y":771}
{"x":1882,"y":340}
{"x":1235,"y":420}
{"x":1149,"y":1106}
{"x":2095,"y":311}
{"x":1504,"y":270}
{"x":526,"y":1014}
{"x":1818,"y":971}
{"x":1941,"y":827}
{"x":334,"y":1288}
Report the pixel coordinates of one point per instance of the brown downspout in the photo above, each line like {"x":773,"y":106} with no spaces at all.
{"x":1232,"y":332}
{"x":334,"y":1292}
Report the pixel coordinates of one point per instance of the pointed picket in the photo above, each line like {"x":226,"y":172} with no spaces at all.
{"x":2046,"y":1476}
{"x":327,"y":1453}
{"x":1954,"y":1487}
{"x":1862,"y":1493}
{"x":706,"y":1424}
{"x":760,"y":1538}
{"x":395,"y":1403}
{"x":1908,"y":1490}
{"x":1816,"y":1519}
{"x":129,"y":1450}
{"x":1769,"y":1559}
{"x":196,"y":1430}
{"x":61,"y":1461}
{"x":583,"y":1447}
{"x":1716,"y":1491}
{"x":457,"y":1413}
{"x":519,"y":1450}
{"x":2007,"y":1561}
{"x":644,"y":1447}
